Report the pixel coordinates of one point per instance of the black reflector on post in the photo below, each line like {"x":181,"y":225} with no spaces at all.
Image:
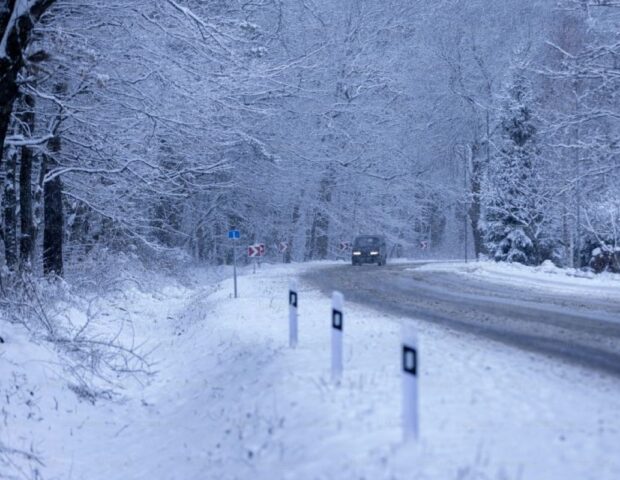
{"x":292,"y":298}
{"x":337,"y":319}
{"x":410,"y":360}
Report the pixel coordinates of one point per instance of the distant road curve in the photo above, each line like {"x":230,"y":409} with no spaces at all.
{"x":571,"y":329}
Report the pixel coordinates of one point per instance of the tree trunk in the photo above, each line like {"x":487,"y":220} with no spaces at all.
{"x":475,"y":209}
{"x":53,"y":227}
{"x":16,"y":23}
{"x":27,"y":229}
{"x":37,"y":208}
{"x":200,"y":244}
{"x":288,"y":254}
{"x":567,"y":238}
{"x":8,"y":92}
{"x":311,"y":240}
{"x":322,"y":219}
{"x":10,"y":211}
{"x":218,"y":253}
{"x":322,"y":239}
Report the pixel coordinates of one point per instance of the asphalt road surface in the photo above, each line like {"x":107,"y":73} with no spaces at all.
{"x":570,"y":329}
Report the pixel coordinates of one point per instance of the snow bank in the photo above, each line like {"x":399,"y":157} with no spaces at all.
{"x":546,"y":277}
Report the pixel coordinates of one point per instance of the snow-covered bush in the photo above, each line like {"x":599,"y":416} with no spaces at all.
{"x":601,"y":248}
{"x":605,"y":259}
{"x":70,"y":315}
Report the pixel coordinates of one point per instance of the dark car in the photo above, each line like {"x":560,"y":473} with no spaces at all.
{"x":369,"y":249}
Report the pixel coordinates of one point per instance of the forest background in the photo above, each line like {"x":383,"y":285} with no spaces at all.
{"x":155,"y":126}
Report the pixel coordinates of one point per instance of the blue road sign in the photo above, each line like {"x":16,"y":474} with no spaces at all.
{"x":234,"y":234}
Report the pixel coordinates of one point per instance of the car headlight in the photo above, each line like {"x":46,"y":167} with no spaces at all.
{"x":374,"y":253}
{"x":357,"y":253}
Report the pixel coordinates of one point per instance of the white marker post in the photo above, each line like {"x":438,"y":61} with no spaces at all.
{"x":234,"y":235}
{"x":235,"y":267}
{"x":292,"y":313}
{"x":337,"y":324}
{"x":410,"y":367}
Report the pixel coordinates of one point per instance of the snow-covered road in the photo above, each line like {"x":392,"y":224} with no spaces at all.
{"x":231,"y":400}
{"x":574,"y":319}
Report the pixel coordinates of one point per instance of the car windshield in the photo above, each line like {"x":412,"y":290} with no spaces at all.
{"x":366,"y":241}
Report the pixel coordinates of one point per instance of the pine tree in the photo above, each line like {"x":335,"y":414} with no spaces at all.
{"x":513,"y":208}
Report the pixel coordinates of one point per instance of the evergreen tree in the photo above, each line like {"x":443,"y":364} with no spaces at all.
{"x":514,"y":214}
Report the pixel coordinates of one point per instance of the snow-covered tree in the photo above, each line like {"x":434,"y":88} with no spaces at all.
{"x":514,"y":201}
{"x":577,"y":72}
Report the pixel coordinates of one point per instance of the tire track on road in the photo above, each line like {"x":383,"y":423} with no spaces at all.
{"x":570,"y":334}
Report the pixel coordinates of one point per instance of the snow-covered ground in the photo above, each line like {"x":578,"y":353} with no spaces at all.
{"x":231,"y":400}
{"x":546,"y":277}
